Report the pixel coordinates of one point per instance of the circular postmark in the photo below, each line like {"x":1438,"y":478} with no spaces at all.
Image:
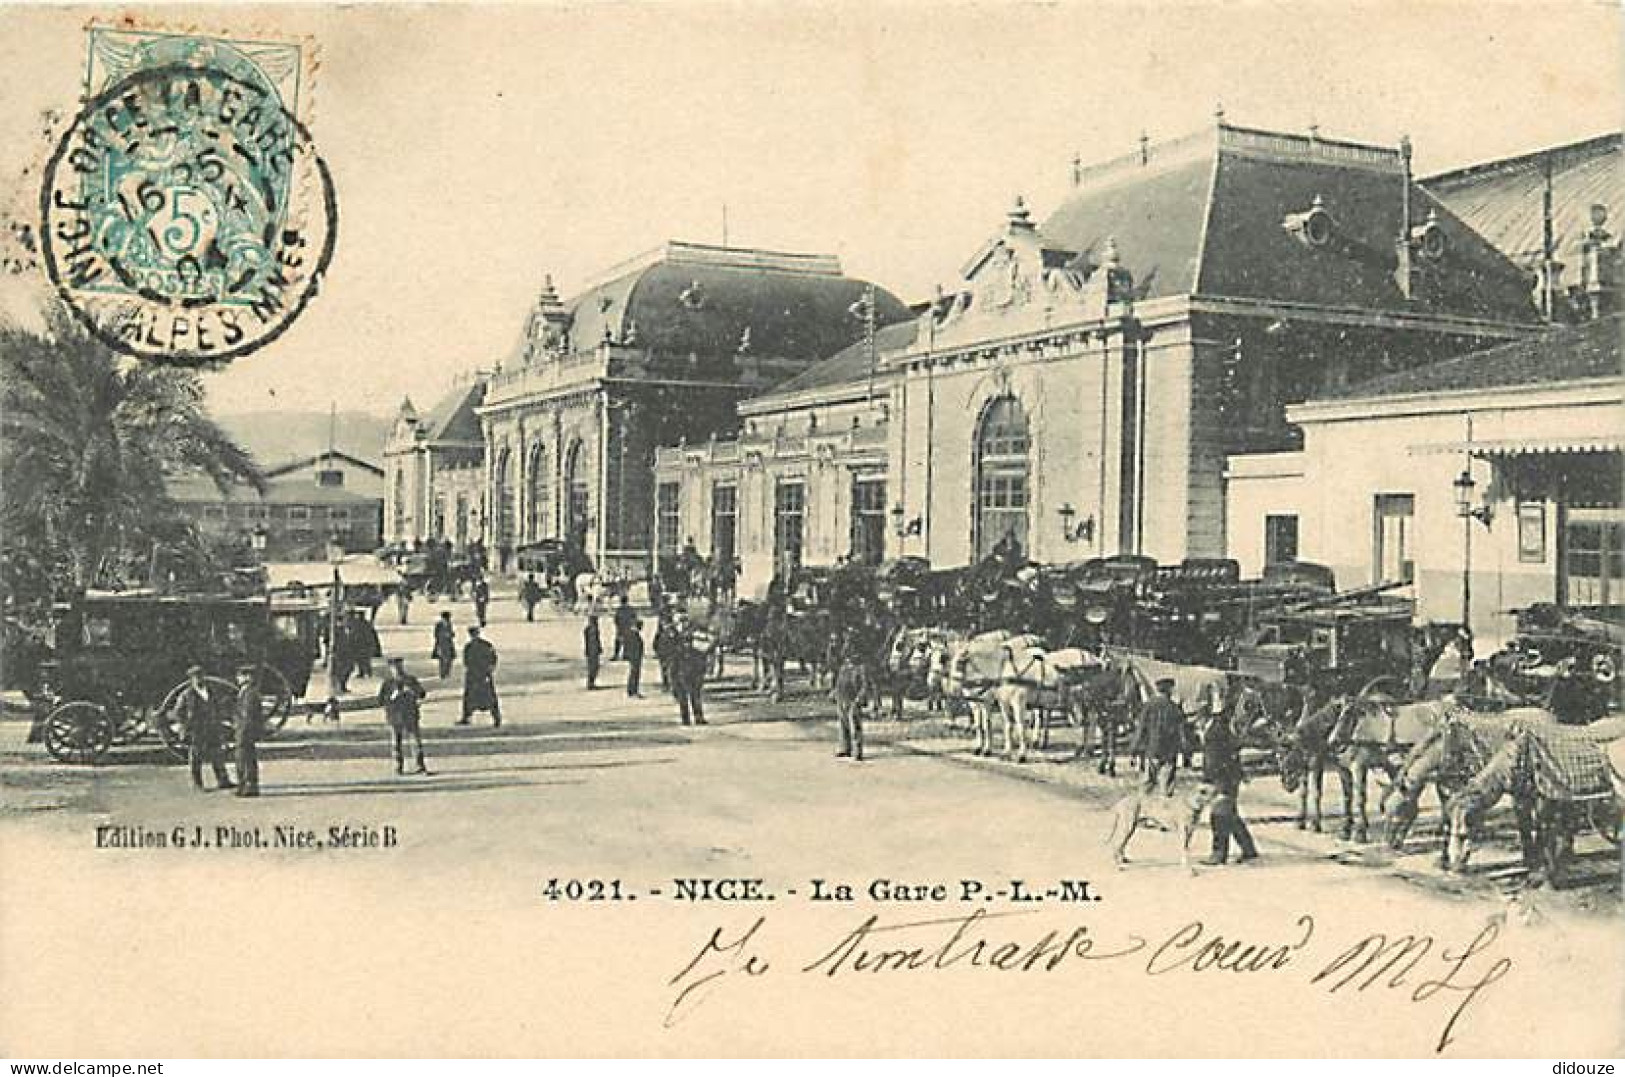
{"x":185,"y":215}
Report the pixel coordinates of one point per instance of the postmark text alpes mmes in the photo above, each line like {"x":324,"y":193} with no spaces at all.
{"x":883,"y":890}
{"x":287,"y":836}
{"x":185,"y":215}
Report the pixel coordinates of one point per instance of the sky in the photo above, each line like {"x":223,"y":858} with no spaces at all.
{"x":476,"y":148}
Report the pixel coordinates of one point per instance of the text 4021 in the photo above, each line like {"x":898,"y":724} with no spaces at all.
{"x":585,"y":890}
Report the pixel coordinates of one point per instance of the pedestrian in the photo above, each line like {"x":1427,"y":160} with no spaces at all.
{"x":344,"y":649}
{"x":482,"y":599}
{"x":624,"y":616}
{"x":665,"y":643}
{"x":479,"y":681}
{"x":445,"y":644}
{"x":851,"y":692}
{"x":367,"y":646}
{"x":199,"y":711}
{"x":690,"y":657}
{"x":400,"y":695}
{"x":633,"y":650}
{"x":403,"y":601}
{"x":1221,"y":769}
{"x":592,"y":646}
{"x":530,"y":593}
{"x":1162,"y":738}
{"x":246,"y":729}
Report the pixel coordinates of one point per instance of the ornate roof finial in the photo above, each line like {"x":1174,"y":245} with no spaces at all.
{"x":1218,"y":113}
{"x":1314,"y":130}
{"x":1077,"y":169}
{"x":1109,"y":255}
{"x":1018,"y":216}
{"x":1145,"y":147}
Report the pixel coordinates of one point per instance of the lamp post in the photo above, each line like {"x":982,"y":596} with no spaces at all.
{"x":335,"y":606}
{"x":1085,"y":529}
{"x":1463,"y":486}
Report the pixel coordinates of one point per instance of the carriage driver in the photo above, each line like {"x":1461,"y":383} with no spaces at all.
{"x":199,"y":714}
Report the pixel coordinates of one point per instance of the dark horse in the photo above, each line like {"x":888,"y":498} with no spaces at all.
{"x":1353,"y":737}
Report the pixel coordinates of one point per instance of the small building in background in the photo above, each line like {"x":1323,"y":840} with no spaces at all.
{"x":434,"y":466}
{"x":334,"y":469}
{"x":292,"y":521}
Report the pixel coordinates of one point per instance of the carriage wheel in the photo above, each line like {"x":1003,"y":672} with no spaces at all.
{"x":78,"y":732}
{"x":1384,"y":687}
{"x":276,"y":700}
{"x":167,"y":716}
{"x":1603,"y":668}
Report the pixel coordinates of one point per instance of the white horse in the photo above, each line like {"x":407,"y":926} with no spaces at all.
{"x":589,"y":592}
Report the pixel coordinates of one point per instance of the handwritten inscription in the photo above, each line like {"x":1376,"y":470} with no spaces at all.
{"x":1425,"y":969}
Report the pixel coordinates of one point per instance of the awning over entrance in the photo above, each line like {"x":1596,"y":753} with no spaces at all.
{"x":1522,"y":446}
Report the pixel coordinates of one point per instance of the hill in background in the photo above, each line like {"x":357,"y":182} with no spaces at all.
{"x":275,"y":437}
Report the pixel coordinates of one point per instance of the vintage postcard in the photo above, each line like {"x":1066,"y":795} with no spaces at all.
{"x":833,"y":529}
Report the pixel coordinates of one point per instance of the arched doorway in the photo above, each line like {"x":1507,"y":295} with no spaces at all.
{"x":578,"y":496}
{"x":540,"y":495}
{"x":502,"y":534}
{"x":999,"y":512}
{"x":462,"y":521}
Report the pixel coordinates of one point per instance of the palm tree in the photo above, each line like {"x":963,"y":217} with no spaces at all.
{"x":86,"y":439}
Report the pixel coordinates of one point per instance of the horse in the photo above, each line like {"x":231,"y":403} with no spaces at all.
{"x":1505,"y":772}
{"x":1026,"y":683}
{"x":805,"y":637}
{"x":1447,"y":759}
{"x":1352,"y":737}
{"x":973,"y":670}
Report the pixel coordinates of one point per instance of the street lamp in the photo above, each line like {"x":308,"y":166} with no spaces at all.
{"x":259,"y":540}
{"x":1463,"y":486}
{"x":904,"y":528}
{"x":1085,"y":529}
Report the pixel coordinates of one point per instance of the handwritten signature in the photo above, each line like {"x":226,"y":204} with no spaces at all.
{"x":990,"y":941}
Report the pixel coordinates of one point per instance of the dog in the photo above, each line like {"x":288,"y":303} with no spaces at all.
{"x":1151,"y":809}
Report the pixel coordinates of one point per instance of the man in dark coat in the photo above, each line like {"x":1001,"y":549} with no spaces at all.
{"x":364,"y":638}
{"x":624,"y":616}
{"x":479,"y":682}
{"x":246,"y":728}
{"x":1221,"y":769}
{"x":688,"y":664}
{"x":482,"y":599}
{"x":530,"y":593}
{"x":632,"y":648}
{"x":445,"y":644}
{"x":199,"y":711}
{"x":592,"y":646}
{"x":400,"y":695}
{"x":1162,"y":737}
{"x":665,"y":643}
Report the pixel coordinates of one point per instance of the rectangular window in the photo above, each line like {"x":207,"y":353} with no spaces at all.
{"x":1593,"y":557}
{"x":1392,"y":557}
{"x":330,"y":477}
{"x":1280,"y":539}
{"x":214,"y":513}
{"x":256,"y":514}
{"x":789,"y":515}
{"x":724,"y":522}
{"x":668,"y":518}
{"x":868,"y":520}
{"x":339,"y":516}
{"x":298,"y":514}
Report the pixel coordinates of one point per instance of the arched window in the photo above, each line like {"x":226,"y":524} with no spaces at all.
{"x":578,"y":495}
{"x":503,"y":533}
{"x":541,"y":494}
{"x":999,"y":513}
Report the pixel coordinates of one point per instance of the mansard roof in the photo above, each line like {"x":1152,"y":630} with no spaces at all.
{"x":691,"y":298}
{"x":454,"y":419}
{"x":1209,"y":215}
{"x":847,"y":368}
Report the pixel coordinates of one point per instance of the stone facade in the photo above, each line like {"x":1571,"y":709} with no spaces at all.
{"x":434,"y":468}
{"x":661,"y":351}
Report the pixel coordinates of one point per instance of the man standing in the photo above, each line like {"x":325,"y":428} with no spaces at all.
{"x":400,"y":695}
{"x":851,"y":689}
{"x":367,"y":646}
{"x":246,"y":728}
{"x":403,"y":600}
{"x":624,"y":616}
{"x":482,"y":599}
{"x":530,"y":593}
{"x":665,"y":643}
{"x":592,"y":645}
{"x":632,"y":648}
{"x":1221,"y":769}
{"x":445,"y":644}
{"x":479,"y":682}
{"x":688,"y":672}
{"x":199,"y":715}
{"x":1162,"y":735}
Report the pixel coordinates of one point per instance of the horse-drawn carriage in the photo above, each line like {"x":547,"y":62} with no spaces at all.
{"x":118,"y":663}
{"x":1567,"y":660}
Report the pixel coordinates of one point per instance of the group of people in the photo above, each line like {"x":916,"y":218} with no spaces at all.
{"x":203,"y":714}
{"x":355,"y":644}
{"x":1163,"y":743}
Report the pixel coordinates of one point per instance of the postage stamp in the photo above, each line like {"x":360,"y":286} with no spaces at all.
{"x":185,"y":216}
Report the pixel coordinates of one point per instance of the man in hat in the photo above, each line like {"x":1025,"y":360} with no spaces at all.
{"x":246,"y":729}
{"x":1162,"y":736}
{"x":482,"y":599}
{"x":624,"y":616}
{"x":687,"y":671}
{"x":592,"y":647}
{"x":399,"y":695}
{"x":479,"y":682}
{"x":530,"y":593}
{"x":198,"y":712}
{"x":632,"y":649}
{"x":445,"y":644}
{"x":1221,"y":769}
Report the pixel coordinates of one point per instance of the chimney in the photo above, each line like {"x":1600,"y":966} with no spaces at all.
{"x":1405,"y":271}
